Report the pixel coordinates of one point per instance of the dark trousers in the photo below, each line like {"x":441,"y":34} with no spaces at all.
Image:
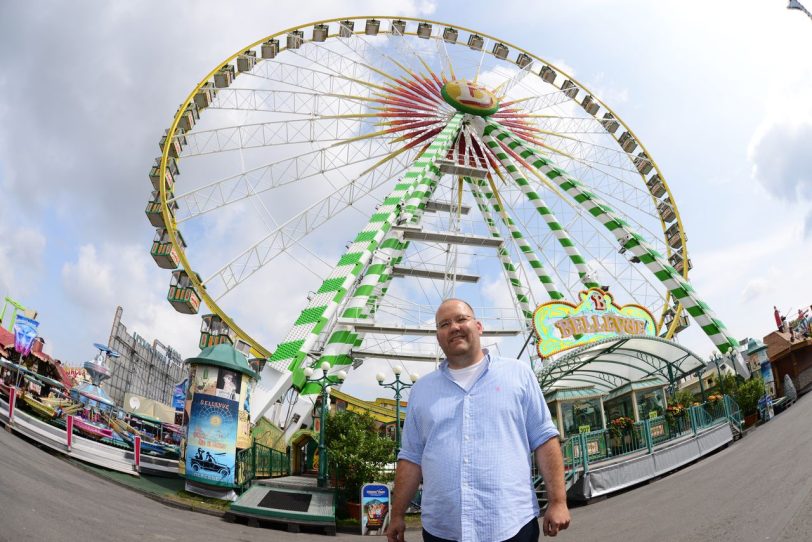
{"x":529,"y":533}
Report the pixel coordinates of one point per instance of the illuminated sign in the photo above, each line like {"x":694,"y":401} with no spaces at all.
{"x":561,"y":325}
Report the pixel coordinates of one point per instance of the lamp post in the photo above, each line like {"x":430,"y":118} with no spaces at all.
{"x":716,"y":359}
{"x":325,"y":383}
{"x":398,"y":386}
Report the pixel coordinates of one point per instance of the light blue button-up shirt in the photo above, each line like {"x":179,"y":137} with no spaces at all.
{"x":474,"y":449}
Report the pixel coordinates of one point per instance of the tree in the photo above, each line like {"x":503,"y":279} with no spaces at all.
{"x":728,"y":385}
{"x":356,"y":452}
{"x":748,"y":394}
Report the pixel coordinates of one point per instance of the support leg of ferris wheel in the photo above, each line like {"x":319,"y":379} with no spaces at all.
{"x":632,"y":241}
{"x":286,"y":366}
{"x":483,"y":193}
{"x":343,"y":336}
{"x":584,"y":273}
{"x":521,"y":292}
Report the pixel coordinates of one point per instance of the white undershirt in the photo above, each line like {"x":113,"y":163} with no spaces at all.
{"x":466,"y":377}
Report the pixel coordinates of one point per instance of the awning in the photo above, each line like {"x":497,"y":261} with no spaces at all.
{"x":6,"y":338}
{"x":612,"y":363}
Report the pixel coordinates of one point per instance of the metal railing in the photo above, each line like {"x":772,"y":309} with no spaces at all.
{"x":585,"y":449}
{"x":259,"y":461}
{"x":270,"y":463}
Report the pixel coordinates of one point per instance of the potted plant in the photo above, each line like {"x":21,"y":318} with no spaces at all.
{"x":357,"y":454}
{"x":747,"y":396}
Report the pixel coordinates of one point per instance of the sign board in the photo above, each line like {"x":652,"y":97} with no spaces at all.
{"x":374,"y":509}
{"x":561,"y":325}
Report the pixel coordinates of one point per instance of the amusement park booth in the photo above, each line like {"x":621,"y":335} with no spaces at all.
{"x":793,"y":358}
{"x":637,"y":400}
{"x":576,"y":409}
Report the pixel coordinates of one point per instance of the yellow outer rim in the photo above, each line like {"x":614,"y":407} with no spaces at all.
{"x":171,"y":227}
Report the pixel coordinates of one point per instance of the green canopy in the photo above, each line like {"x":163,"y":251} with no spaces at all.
{"x":226,"y":356}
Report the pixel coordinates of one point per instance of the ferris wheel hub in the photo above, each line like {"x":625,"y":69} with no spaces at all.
{"x":470,"y":98}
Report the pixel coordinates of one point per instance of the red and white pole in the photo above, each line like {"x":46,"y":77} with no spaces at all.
{"x":69,"y":431}
{"x":137,"y":448}
{"x":12,"y":400}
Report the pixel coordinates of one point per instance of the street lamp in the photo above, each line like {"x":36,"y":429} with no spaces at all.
{"x":325,"y":383}
{"x":398,"y":386}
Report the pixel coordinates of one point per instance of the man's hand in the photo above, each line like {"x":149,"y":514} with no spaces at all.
{"x":396,"y":532}
{"x":556,"y":518}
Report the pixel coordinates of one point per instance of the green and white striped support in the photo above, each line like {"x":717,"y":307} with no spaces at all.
{"x":485,"y":189}
{"x":520,"y":290}
{"x":680,"y":288}
{"x":546,"y":213}
{"x":344,"y":337}
{"x":303,"y":336}
{"x":417,"y":202}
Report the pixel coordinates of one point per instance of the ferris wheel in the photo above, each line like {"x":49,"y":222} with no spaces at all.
{"x":351,"y":173}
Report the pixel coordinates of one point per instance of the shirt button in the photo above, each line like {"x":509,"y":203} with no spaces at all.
{"x":466,"y":460}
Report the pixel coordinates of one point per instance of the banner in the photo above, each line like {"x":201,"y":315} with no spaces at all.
{"x":244,"y":425}
{"x":211,"y":447}
{"x":179,"y":394}
{"x":374,"y":508}
{"x":25,"y":331}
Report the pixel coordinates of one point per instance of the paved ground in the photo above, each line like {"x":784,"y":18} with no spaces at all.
{"x":760,"y":488}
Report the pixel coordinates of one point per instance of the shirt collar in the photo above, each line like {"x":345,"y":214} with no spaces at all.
{"x":486,"y":360}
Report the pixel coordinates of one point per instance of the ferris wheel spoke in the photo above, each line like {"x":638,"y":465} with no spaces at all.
{"x":269,"y":177}
{"x":631,"y":241}
{"x":346,"y":81}
{"x":289,"y":102}
{"x":318,"y":129}
{"x":297,"y":227}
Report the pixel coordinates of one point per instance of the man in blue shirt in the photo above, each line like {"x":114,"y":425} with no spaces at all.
{"x":469,"y":432}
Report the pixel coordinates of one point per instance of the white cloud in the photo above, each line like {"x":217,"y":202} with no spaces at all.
{"x":100,"y":278}
{"x":21,"y":259}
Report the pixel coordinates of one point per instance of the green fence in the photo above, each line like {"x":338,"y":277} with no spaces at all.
{"x":259,"y":462}
{"x":590,"y":447}
{"x":270,"y":463}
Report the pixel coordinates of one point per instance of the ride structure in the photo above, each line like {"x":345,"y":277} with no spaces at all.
{"x":456,"y":163}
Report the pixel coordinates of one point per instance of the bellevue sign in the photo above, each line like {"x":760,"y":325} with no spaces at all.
{"x":561,"y":325}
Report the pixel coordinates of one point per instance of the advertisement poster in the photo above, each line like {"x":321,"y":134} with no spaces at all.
{"x":244,"y":425}
{"x":228,"y":385}
{"x":211,"y":440}
{"x":179,"y":394}
{"x":374,"y":509}
{"x":205,"y":380}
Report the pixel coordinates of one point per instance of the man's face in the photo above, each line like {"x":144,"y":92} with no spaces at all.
{"x":458,"y":331}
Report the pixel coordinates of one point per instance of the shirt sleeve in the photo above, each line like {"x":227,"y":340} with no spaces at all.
{"x":411,"y":442}
{"x":540,"y":426}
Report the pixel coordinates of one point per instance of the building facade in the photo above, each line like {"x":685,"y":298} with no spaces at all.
{"x":147,"y":369}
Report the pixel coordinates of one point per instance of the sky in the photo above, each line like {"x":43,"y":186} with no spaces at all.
{"x":718,"y":92}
